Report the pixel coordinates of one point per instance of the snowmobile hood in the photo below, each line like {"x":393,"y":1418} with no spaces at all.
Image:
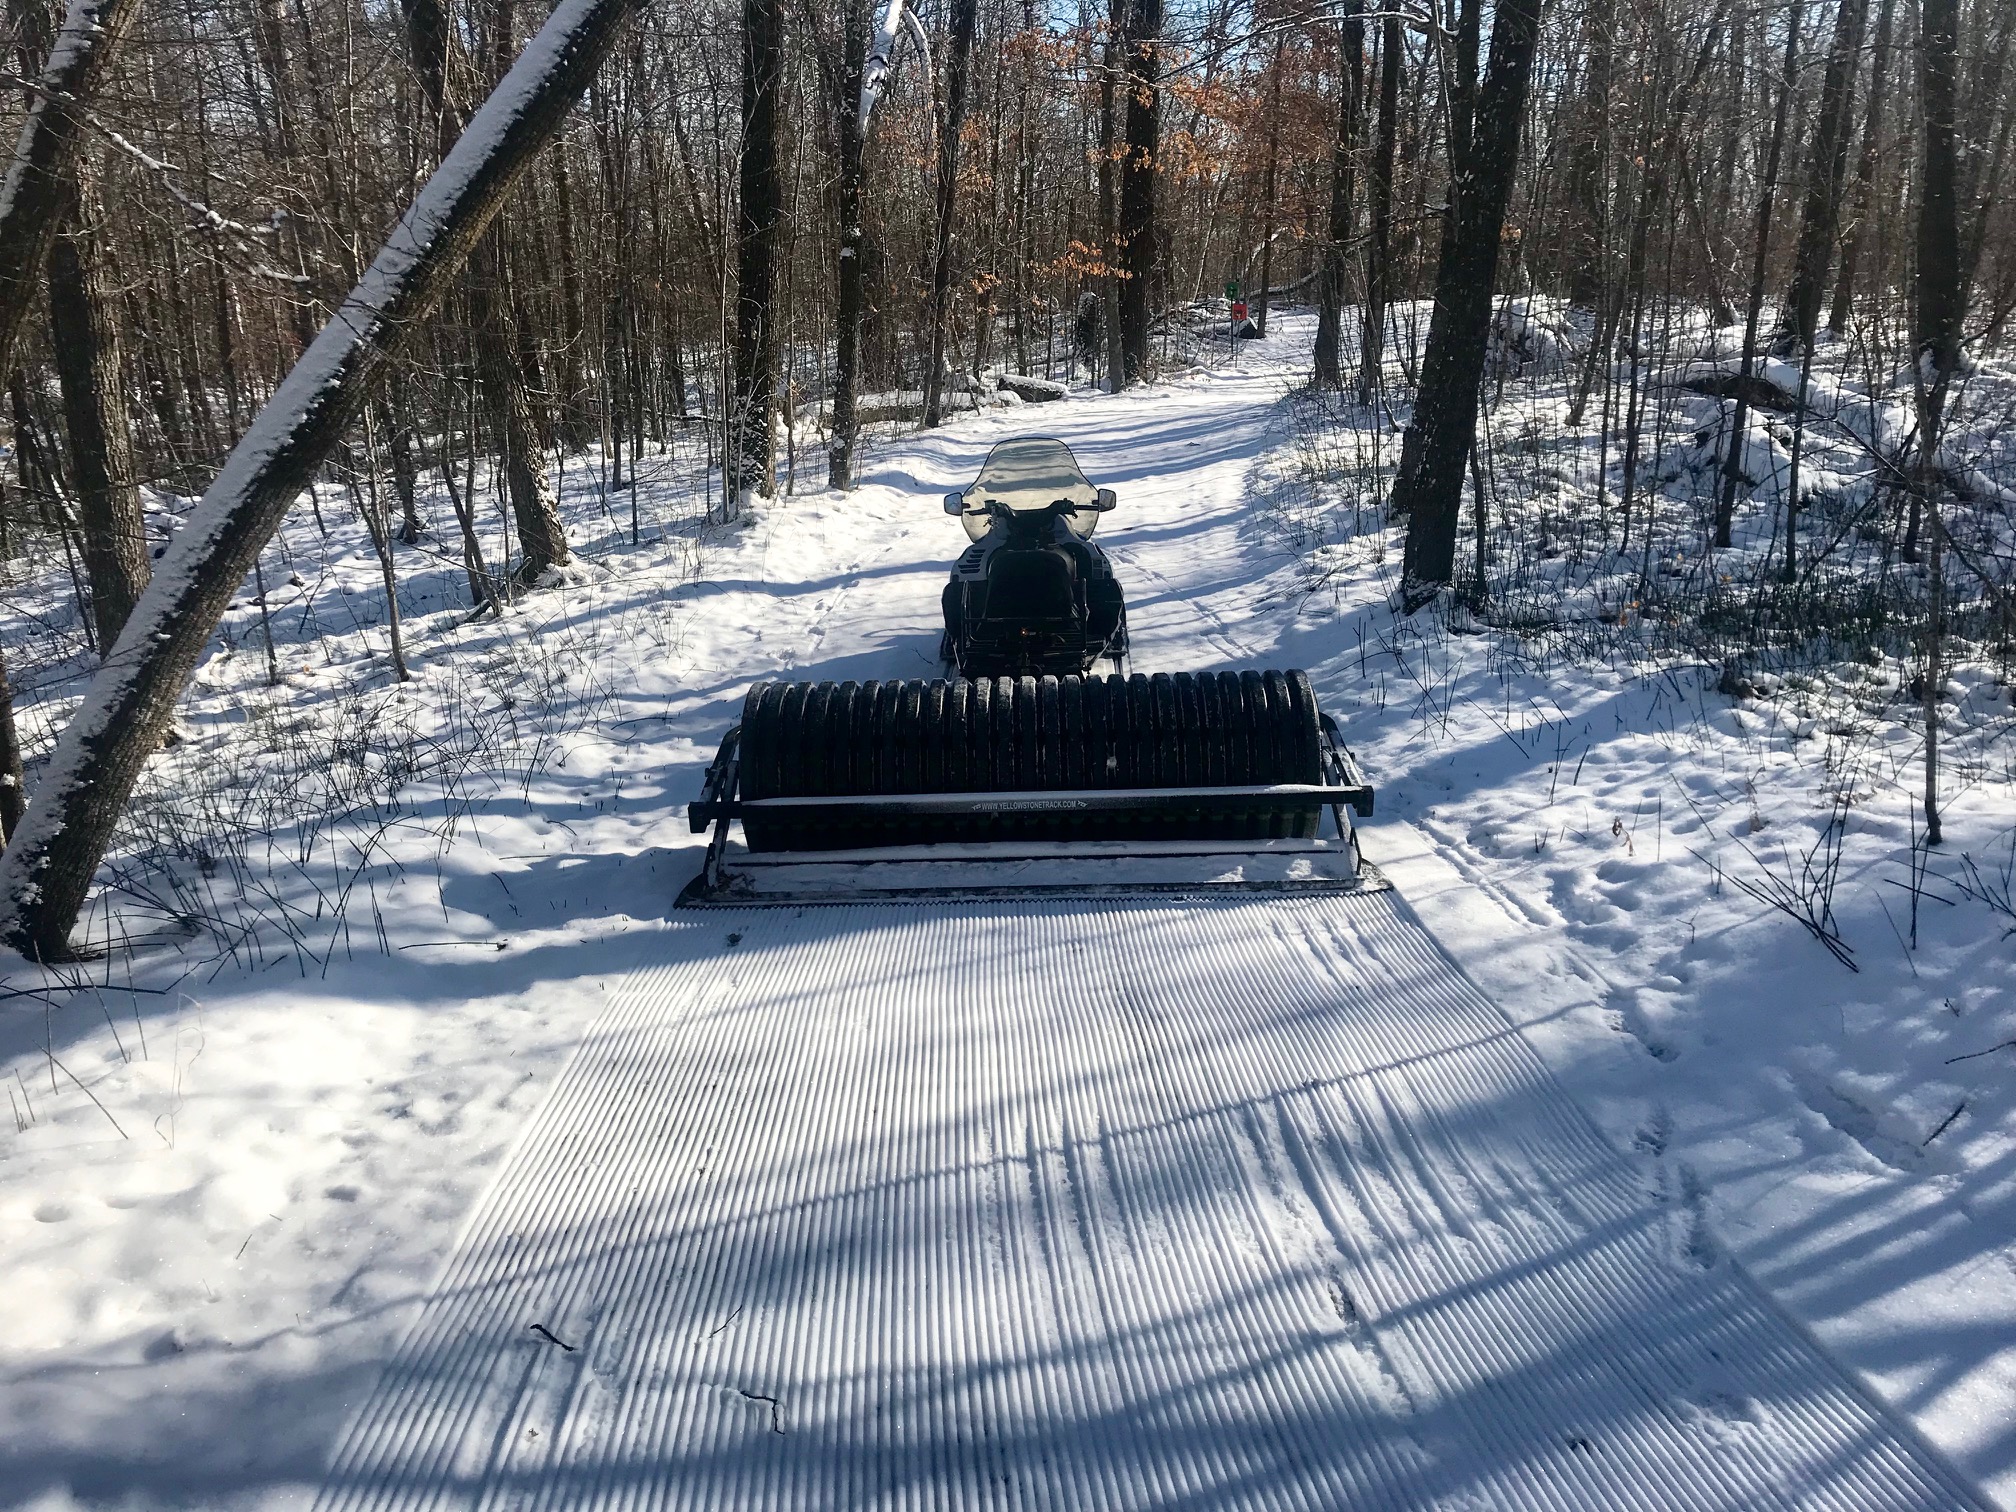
{"x":1027,"y":473}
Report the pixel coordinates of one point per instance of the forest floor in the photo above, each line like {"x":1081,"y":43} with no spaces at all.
{"x":358,"y":927}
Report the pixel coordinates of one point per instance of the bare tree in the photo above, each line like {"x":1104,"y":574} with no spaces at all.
{"x":46,"y":871}
{"x":1343,"y":191}
{"x":1767,"y":204}
{"x":85,"y":337}
{"x":1445,"y":413}
{"x":1826,"y":167}
{"x":1379,"y":213}
{"x":1138,"y":171}
{"x":1865,"y":171}
{"x":850,"y":280}
{"x":964,"y":17}
{"x":505,"y":366}
{"x":752,"y":457}
{"x":1940,"y":305}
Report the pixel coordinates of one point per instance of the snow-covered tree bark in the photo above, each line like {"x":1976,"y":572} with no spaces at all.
{"x":46,"y":871}
{"x":31,"y":200}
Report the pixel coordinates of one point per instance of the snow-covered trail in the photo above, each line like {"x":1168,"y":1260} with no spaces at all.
{"x":1253,"y":1203}
{"x":1246,"y":1203}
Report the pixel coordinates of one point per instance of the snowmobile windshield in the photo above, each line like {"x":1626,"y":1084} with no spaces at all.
{"x":1031,"y":473}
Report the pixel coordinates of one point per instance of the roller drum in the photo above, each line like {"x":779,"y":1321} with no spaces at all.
{"x":1026,"y":734}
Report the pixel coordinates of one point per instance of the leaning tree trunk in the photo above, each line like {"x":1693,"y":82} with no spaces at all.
{"x":1445,"y":412}
{"x":752,"y":453}
{"x":1139,"y":249}
{"x":47,"y":869}
{"x":964,"y":15}
{"x":1343,"y":188}
{"x":1820,"y":218}
{"x":851,"y":298}
{"x":84,"y":330}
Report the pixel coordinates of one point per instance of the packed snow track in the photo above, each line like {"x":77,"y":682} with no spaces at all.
{"x":1245,"y":1202}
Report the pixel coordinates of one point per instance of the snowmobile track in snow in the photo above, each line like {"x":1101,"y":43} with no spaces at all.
{"x":1251,"y":1202}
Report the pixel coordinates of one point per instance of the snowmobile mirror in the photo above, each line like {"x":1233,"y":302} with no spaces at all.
{"x":955,"y":503}
{"x":1107,"y":499}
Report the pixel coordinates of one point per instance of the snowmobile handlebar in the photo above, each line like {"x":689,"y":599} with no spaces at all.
{"x":1105,"y":499}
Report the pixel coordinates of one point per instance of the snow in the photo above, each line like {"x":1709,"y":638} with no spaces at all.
{"x":205,"y":1293}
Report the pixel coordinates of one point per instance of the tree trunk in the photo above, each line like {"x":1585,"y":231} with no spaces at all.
{"x":85,"y":334}
{"x":1980,"y":183}
{"x":1332,"y":285}
{"x":752,"y":459}
{"x":1865,"y":173}
{"x":1739,"y":420}
{"x":964,"y":15}
{"x":32,"y":199}
{"x":1940,"y":306}
{"x":1588,"y":189}
{"x":514,"y":421}
{"x":1820,"y":219}
{"x":1445,"y":414}
{"x":1268,"y":179}
{"x":1379,"y":251}
{"x":1343,"y":166}
{"x":47,"y":869}
{"x":1112,"y":253}
{"x":577,"y":420}
{"x":1139,"y":250}
{"x":851,"y":300}
{"x":13,"y":795}
{"x":507,"y":367}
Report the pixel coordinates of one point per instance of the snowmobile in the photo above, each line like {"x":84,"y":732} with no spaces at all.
{"x":1024,"y":772}
{"x":1032,"y":595}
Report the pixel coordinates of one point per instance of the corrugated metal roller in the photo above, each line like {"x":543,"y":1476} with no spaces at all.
{"x":1027,"y":735}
